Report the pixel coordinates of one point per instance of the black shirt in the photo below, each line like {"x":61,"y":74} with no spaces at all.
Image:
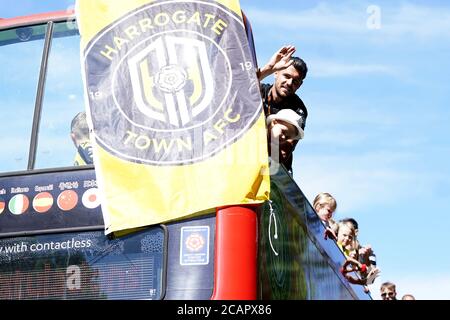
{"x":292,"y":102}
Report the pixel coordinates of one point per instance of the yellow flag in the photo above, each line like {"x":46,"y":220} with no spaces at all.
{"x":174,"y":105}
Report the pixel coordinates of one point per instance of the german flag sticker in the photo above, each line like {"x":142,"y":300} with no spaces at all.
{"x":42,"y":202}
{"x":18,"y":204}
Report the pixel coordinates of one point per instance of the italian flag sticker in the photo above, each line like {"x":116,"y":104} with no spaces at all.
{"x":18,"y":204}
{"x":42,"y":202}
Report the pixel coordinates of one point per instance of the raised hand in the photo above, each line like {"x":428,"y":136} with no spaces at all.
{"x":282,"y":58}
{"x":279,"y":61}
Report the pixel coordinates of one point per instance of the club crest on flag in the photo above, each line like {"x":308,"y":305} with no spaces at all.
{"x":172,"y":80}
{"x":162,"y":76}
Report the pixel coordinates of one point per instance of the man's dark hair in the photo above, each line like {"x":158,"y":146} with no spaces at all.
{"x":300,"y":66}
{"x":79,"y":126}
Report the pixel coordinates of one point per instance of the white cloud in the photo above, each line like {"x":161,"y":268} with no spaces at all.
{"x":324,"y":69}
{"x":354,"y":179}
{"x":397,"y":21}
{"x":336,"y":138}
{"x":337,"y":115}
{"x":423,"y":22}
{"x":322,"y":17}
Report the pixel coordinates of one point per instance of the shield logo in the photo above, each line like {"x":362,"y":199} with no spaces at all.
{"x":165,"y":95}
{"x":172,"y":80}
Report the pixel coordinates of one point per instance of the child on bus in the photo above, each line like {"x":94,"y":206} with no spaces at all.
{"x":325,"y":205}
{"x":346,"y":241}
{"x":346,"y":238}
{"x":362,"y":258}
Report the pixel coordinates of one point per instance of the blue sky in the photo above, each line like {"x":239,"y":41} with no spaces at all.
{"x":376,"y":136}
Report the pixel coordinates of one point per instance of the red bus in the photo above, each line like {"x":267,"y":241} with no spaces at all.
{"x":52,"y":241}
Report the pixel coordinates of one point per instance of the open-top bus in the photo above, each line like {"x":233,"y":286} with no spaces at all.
{"x":52,"y":241}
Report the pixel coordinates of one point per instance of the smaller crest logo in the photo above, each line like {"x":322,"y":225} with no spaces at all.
{"x":195,"y":242}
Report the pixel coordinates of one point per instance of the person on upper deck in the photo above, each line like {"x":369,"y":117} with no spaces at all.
{"x":289,"y":73}
{"x":283,"y":126}
{"x":79,"y":132}
{"x":325,"y":205}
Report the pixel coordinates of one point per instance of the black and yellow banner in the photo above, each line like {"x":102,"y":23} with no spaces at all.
{"x":174,"y":104}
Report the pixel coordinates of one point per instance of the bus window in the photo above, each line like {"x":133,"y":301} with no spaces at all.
{"x":20,"y":56}
{"x":63,"y":99}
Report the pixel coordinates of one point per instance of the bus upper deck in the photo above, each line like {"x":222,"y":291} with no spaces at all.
{"x":52,"y":244}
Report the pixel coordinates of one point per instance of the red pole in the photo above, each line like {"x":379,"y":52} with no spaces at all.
{"x":236,"y":245}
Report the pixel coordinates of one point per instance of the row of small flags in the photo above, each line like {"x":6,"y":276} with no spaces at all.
{"x":43,"y":201}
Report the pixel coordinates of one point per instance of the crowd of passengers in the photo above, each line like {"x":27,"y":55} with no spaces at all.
{"x":360,"y":264}
{"x":286,"y":117}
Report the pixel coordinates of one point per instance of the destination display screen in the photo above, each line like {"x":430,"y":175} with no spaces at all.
{"x":83,"y":265}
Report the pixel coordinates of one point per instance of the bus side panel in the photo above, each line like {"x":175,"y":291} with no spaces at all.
{"x":190,"y":263}
{"x":295,"y":261}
